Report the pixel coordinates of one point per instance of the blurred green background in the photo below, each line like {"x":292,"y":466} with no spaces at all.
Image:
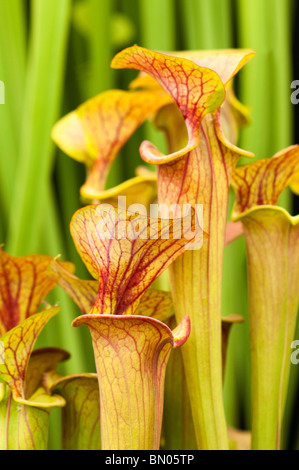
{"x":55,"y":54}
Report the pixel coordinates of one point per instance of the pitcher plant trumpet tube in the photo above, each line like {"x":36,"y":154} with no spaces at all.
{"x":25,"y":404}
{"x":131,"y":351}
{"x":80,"y":417}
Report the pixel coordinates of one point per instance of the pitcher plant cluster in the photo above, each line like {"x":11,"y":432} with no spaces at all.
{"x":159,"y":342}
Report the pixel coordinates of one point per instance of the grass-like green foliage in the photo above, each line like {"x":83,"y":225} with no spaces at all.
{"x":54,"y":55}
